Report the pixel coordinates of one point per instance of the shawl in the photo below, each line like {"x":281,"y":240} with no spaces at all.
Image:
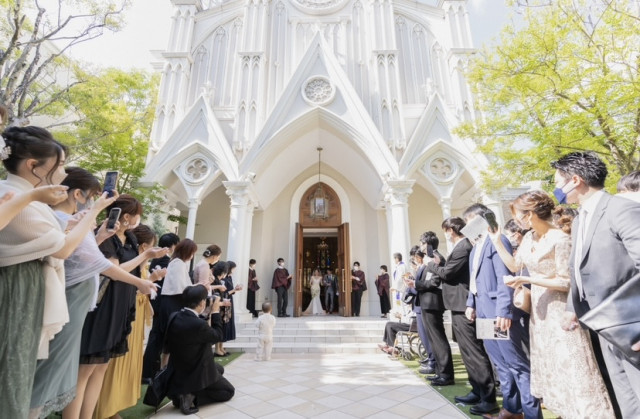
{"x":35,"y":233}
{"x":86,"y":262}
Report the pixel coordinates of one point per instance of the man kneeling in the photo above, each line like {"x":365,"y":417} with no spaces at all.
{"x":197,"y":379}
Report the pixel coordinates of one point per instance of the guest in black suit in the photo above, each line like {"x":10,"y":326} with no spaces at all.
{"x":197,"y":379}
{"x":455,"y":290}
{"x":432,"y":307}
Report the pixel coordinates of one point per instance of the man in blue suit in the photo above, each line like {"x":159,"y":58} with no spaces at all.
{"x":490,"y":298}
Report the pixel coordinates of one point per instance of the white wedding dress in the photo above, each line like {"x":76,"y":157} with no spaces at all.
{"x":315,"y":306}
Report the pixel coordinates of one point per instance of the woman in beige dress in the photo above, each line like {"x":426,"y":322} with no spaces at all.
{"x":564,"y":372}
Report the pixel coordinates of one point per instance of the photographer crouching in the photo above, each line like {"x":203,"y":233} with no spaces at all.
{"x":197,"y":379}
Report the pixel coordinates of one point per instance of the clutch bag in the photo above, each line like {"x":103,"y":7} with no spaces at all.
{"x":617,"y":319}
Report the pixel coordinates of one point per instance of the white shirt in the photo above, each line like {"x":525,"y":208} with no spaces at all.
{"x":473,"y":286}
{"x":398,"y":280}
{"x":177,"y":278}
{"x":590,"y":206}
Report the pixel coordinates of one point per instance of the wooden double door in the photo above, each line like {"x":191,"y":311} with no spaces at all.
{"x":341,"y":268}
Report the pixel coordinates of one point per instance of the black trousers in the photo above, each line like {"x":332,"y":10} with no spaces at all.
{"x":165,"y":307}
{"x":218,"y":392}
{"x":251,"y":302}
{"x":356,"y":299}
{"x":282,"y":300}
{"x":434,"y":324}
{"x":474,"y":357}
{"x":391,"y":329}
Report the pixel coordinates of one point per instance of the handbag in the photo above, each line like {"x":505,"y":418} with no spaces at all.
{"x":522,"y":298}
{"x":159,"y":386}
{"x":102,"y":288}
{"x":617,"y":319}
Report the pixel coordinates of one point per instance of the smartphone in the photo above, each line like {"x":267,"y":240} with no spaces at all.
{"x":430,"y":251}
{"x":110,"y":183}
{"x":114,"y":216}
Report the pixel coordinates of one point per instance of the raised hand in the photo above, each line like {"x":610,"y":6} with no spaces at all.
{"x":50,"y":194}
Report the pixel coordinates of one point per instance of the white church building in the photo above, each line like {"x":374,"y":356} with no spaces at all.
{"x":252,"y":88}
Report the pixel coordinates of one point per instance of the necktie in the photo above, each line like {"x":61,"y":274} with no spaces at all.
{"x":578,"y":253}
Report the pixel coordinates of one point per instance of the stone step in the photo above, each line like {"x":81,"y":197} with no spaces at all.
{"x":243,"y":338}
{"x":303,"y":332}
{"x":305,"y":347}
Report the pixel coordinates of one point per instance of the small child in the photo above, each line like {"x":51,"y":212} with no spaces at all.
{"x":265,"y":324}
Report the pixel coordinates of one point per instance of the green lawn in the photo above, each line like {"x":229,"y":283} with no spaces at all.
{"x":462,"y":387}
{"x":142,"y":411}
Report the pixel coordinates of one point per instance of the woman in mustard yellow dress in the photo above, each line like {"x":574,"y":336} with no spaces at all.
{"x":121,"y":386}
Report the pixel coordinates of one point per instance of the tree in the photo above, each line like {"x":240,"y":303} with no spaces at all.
{"x":34,"y":71}
{"x":567,"y":80}
{"x":117,"y":109}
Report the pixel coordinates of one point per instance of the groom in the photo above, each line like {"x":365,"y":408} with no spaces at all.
{"x":605,"y":254}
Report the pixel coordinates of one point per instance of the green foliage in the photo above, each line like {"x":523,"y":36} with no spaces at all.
{"x":567,"y":80}
{"x":117,"y":110}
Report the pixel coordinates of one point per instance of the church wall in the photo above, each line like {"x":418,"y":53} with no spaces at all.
{"x":212,"y":225}
{"x":425,"y":214}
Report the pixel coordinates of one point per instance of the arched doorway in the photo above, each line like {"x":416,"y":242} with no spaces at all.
{"x":322,"y":242}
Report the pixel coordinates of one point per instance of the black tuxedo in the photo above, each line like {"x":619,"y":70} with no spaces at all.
{"x":429,"y":291}
{"x":430,"y":296}
{"x":454,"y":276}
{"x":189,"y":340}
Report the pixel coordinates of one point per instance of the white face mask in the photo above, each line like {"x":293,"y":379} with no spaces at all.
{"x":281,"y":264}
{"x":356,"y":268}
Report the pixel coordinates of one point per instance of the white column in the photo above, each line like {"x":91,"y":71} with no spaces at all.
{"x":239,"y":244}
{"x":397,"y":205}
{"x":445,"y":206}
{"x":194,"y":203}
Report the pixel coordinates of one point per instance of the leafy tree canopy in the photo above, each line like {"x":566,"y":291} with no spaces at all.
{"x":567,"y":79}
{"x":117,"y":109}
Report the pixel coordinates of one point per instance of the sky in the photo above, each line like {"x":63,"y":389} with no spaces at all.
{"x":148,"y":23}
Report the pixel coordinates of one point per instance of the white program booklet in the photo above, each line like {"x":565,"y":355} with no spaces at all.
{"x":476,"y":228}
{"x":487,"y":329}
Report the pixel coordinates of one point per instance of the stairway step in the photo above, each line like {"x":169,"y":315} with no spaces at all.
{"x":319,"y":339}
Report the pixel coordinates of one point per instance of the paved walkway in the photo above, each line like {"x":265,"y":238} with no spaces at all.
{"x":332,"y":386}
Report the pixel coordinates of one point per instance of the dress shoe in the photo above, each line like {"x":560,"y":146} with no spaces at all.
{"x":433,"y":377}
{"x":186,"y":404}
{"x":484,"y":407}
{"x":286,"y":315}
{"x":504,"y":414}
{"x":469,"y":399}
{"x":441,"y":381}
{"x":427,"y":370}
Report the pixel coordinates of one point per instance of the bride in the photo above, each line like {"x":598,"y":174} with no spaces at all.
{"x":315,"y":306}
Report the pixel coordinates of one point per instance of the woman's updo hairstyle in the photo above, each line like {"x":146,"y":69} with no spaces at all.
{"x":144,"y":234}
{"x":213,"y":250}
{"x":78,"y":178}
{"x":563,"y":217}
{"x":538,"y":202}
{"x":127,"y":204}
{"x":32,"y":143}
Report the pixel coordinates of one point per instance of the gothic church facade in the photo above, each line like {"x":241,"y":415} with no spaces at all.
{"x":251,"y":88}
